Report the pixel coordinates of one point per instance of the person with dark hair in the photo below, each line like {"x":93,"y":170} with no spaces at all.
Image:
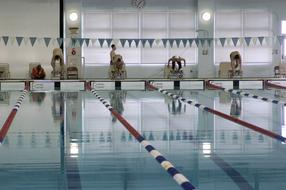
{"x":176,"y":60}
{"x":57,"y":63}
{"x":235,"y":62}
{"x":112,"y":54}
{"x":38,"y":72}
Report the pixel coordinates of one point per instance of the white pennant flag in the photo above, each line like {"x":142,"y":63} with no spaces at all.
{"x":12,"y":40}
{"x":26,"y":40}
{"x":254,"y":39}
{"x":228,"y":41}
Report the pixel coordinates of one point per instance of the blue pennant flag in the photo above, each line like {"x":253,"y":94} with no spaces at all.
{"x":151,"y":41}
{"x":177,"y":41}
{"x":209,"y":40}
{"x":73,"y":41}
{"x":197,"y":42}
{"x":129,"y":42}
{"x":185,"y":42}
{"x":280,"y":39}
{"x":247,"y":40}
{"x":136,"y":42}
{"x":260,"y":39}
{"x":234,"y":41}
{"x":108,"y":40}
{"x":81,"y":41}
{"x":5,"y":39}
{"x":33,"y":40}
{"x":60,"y":41}
{"x":202,"y":40}
{"x":87,"y":40}
{"x":122,"y":41}
{"x":101,"y":41}
{"x":165,"y":42}
{"x":47,"y":41}
{"x":171,"y":42}
{"x":222,"y":41}
{"x":191,"y":41}
{"x":19,"y":40}
{"x":144,"y":42}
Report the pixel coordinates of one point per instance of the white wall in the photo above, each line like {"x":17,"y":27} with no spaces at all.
{"x":28,"y":18}
{"x":40,"y":18}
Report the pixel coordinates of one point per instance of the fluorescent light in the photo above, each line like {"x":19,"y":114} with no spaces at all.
{"x":206,"y":15}
{"x":73,"y":16}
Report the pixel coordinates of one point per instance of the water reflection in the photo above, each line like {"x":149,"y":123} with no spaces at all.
{"x":37,"y":97}
{"x":117,"y":98}
{"x":235,"y":108}
{"x":4,"y":97}
{"x":175,"y":107}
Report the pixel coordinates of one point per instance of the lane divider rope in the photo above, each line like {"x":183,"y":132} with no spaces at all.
{"x":5,"y":128}
{"x":267,"y":83}
{"x":241,"y":93}
{"x":220,"y":114}
{"x":167,"y":165}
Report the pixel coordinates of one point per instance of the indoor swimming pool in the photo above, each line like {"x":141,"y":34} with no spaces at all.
{"x":70,"y":140}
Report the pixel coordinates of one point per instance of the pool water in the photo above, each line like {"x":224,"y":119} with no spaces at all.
{"x":69,"y":140}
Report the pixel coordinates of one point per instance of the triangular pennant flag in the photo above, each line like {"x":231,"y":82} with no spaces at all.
{"x":47,"y":41}
{"x":260,"y":39}
{"x":144,"y":42}
{"x":33,"y":40}
{"x":171,"y":41}
{"x":108,"y":40}
{"x":60,"y":41}
{"x":87,"y":40}
{"x":136,"y":42}
{"x":122,"y":41}
{"x":26,"y":40}
{"x":5,"y":39}
{"x":177,"y":41}
{"x":151,"y":41}
{"x":190,"y":41}
{"x":165,"y":42}
{"x":159,"y":43}
{"x":234,"y":41}
{"x":81,"y":41}
{"x":209,"y":40}
{"x":222,"y":41}
{"x":254,"y":39}
{"x":247,"y":40}
{"x":129,"y":42}
{"x":228,"y":41}
{"x":93,"y":41}
{"x":280,"y":39}
{"x":202,"y":41}
{"x":197,"y":41}
{"x":185,"y":42}
{"x":12,"y":40}
{"x":101,"y":41}
{"x":73,"y":42}
{"x":19,"y":40}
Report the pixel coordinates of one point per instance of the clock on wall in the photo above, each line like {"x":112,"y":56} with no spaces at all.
{"x":138,"y":3}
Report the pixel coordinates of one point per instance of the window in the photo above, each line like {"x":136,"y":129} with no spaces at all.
{"x":116,"y":24}
{"x":244,"y":23}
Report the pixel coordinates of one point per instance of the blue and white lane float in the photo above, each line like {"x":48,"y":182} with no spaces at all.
{"x":218,"y":113}
{"x":167,"y":165}
{"x":5,"y":128}
{"x":241,"y":93}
